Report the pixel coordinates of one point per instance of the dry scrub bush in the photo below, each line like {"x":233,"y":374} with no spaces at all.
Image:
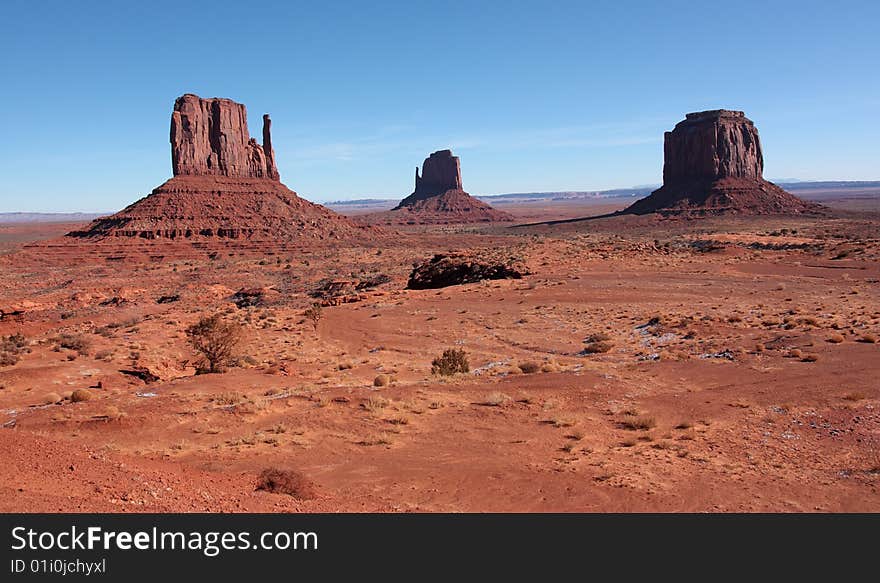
{"x":598,"y":347}
{"x":76,"y":342}
{"x":314,"y":313}
{"x":496,"y":400}
{"x":229,"y":398}
{"x":81,"y":395}
{"x":51,"y":399}
{"x":381,"y":439}
{"x":397,"y":419}
{"x":529,"y":367}
{"x":453,"y":360}
{"x":382,"y":380}
{"x":288,"y":482}
{"x":216,"y":340}
{"x":375,"y":403}
{"x":11,"y":348}
{"x":638,"y":423}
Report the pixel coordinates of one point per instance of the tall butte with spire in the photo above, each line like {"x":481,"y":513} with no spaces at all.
{"x":439,"y":197}
{"x":713,"y":164}
{"x":209,"y":137}
{"x":225,"y":186}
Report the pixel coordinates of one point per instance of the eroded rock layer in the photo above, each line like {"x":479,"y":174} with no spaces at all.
{"x":199,"y":207}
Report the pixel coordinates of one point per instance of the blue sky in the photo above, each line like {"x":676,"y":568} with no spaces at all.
{"x":534,"y":96}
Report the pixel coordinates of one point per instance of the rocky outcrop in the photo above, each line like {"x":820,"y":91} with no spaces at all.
{"x":271,"y":169}
{"x":713,"y":164}
{"x":209,"y":137}
{"x":439,"y":198}
{"x":441,"y":171}
{"x":444,"y":270}
{"x":711,"y":145}
{"x":225,"y":187}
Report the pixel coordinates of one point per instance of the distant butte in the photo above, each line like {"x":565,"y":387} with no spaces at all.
{"x":225,"y":186}
{"x":713,"y":164}
{"x":439,"y":197}
{"x":441,"y":172}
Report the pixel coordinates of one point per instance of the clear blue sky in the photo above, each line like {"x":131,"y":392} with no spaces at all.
{"x":534,"y":96}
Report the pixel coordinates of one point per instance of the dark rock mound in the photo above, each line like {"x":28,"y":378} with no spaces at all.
{"x":444,"y":270}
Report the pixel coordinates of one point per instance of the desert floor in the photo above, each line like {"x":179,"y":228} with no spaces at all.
{"x":742,"y":373}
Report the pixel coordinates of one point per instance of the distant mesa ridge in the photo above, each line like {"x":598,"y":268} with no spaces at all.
{"x":713,"y":164}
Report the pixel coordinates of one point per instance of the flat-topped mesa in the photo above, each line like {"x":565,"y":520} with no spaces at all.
{"x":209,"y":137}
{"x":441,"y":171}
{"x":713,"y":164}
{"x":710,"y":145}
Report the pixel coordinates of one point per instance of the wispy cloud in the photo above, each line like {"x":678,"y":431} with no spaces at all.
{"x":312,"y":150}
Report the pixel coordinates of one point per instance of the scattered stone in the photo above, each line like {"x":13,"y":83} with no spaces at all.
{"x":142,"y":373}
{"x":249,"y":297}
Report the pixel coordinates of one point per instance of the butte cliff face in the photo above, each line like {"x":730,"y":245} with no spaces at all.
{"x":209,"y":137}
{"x":441,"y":171}
{"x":713,"y":164}
{"x":439,"y":198}
{"x":225,"y":186}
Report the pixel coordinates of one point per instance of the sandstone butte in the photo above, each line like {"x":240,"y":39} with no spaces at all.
{"x":439,"y":197}
{"x":225,"y":186}
{"x":713,"y":164}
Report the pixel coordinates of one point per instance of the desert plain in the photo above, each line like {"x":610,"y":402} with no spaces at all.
{"x":640,"y":363}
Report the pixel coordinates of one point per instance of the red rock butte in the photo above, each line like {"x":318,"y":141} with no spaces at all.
{"x":209,"y":137}
{"x":225,"y":186}
{"x":713,"y":164}
{"x":439,"y":197}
